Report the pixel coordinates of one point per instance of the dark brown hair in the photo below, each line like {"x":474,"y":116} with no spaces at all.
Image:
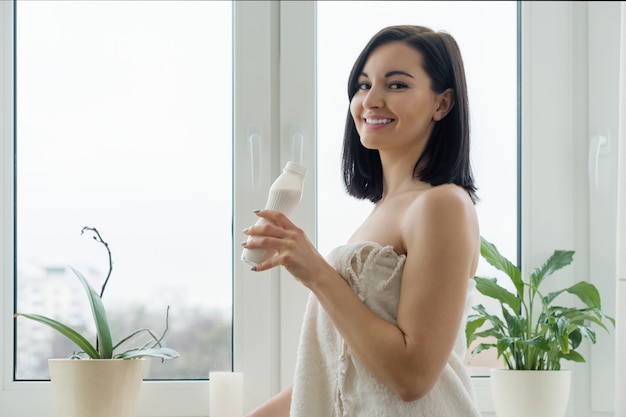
{"x":446,"y":156}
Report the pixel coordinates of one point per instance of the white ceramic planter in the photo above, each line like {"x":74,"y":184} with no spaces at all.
{"x":96,"y":387}
{"x":530,"y":393}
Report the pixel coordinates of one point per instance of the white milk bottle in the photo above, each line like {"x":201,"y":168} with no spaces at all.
{"x":284,"y":195}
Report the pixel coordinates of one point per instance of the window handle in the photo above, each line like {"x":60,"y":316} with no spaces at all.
{"x":598,"y":146}
{"x":254,"y":147}
{"x":297,"y":144}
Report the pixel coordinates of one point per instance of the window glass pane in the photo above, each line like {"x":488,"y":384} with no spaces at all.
{"x":487,"y":36}
{"x":124,"y":124}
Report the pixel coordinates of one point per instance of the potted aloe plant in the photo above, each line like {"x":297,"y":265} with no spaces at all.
{"x":107,"y":381}
{"x":533,"y":333}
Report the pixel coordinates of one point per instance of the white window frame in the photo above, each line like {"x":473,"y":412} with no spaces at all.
{"x":260,"y":347}
{"x":569,"y":89}
{"x":284,"y":104}
{"x":603,"y":54}
{"x":558,"y":116}
{"x":256,"y":305}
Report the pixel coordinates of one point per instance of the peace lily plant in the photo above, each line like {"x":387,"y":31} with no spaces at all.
{"x":534,"y":331}
{"x":104,"y":348}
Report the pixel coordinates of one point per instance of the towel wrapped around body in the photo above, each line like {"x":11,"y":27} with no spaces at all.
{"x":330,"y":382}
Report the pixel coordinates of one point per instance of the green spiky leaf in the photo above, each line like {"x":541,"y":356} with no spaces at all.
{"x":105,"y":343}
{"x":66,"y":331}
{"x":161,"y":352}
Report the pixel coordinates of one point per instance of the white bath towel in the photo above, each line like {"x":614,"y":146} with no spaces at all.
{"x":330,"y":382}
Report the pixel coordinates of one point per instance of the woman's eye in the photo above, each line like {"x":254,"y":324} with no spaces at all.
{"x":397,"y":86}
{"x":363,"y":86}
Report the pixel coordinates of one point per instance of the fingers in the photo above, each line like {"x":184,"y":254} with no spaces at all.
{"x":276,"y":217}
{"x":263,"y":242}
{"x":277,"y":233}
{"x":273,"y":224}
{"x":265,"y":265}
{"x":265,"y":229}
{"x":266,"y":236}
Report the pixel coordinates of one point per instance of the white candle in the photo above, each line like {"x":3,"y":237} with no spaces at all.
{"x":225,"y":394}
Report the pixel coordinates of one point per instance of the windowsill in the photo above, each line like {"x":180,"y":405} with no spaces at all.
{"x":482,"y":388}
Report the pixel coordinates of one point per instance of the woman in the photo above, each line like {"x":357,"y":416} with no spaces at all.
{"x":383,"y":332}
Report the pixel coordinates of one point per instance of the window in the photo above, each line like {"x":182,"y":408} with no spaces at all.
{"x":274,"y":94}
{"x":118,"y":133}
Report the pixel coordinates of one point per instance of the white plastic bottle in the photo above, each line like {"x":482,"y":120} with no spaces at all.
{"x":284,"y":195}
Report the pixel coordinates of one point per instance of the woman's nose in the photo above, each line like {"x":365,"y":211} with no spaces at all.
{"x":373,"y":99}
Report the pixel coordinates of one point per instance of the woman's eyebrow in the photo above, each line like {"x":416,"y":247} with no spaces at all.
{"x":397,"y":72}
{"x":391,"y":74}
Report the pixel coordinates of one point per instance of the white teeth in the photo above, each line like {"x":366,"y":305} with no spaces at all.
{"x":378,"y":121}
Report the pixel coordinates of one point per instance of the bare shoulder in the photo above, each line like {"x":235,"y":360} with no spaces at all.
{"x":443,"y":214}
{"x":442,"y":200}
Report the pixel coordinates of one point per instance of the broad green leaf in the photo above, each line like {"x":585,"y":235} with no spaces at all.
{"x":575,"y":338}
{"x":480,"y":348}
{"x":556,"y":261}
{"x":491,"y":332}
{"x":495,"y":321}
{"x":587,"y":293}
{"x":581,"y":317}
{"x":472,"y":324}
{"x":490,"y":288}
{"x":596,"y":316}
{"x":551,"y":296}
{"x":539,"y":343}
{"x":588,"y":333}
{"x":561,"y":334}
{"x":505,"y":343}
{"x":561,"y":324}
{"x":100,"y":318}
{"x":66,"y":331}
{"x":515,"y":324}
{"x":494,"y":258}
{"x":573,"y":356}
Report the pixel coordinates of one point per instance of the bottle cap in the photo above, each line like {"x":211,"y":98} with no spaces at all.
{"x":294,"y":166}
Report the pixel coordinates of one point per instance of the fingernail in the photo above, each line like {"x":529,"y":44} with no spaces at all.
{"x":253,"y":268}
{"x":244,"y":243}
{"x":256,"y":211}
{"x":244,"y":230}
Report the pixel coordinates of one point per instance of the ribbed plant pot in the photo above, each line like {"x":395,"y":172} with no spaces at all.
{"x":530,"y":393}
{"x":96,"y":387}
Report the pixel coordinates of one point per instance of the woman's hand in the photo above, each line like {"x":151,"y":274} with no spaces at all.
{"x":294,"y":250}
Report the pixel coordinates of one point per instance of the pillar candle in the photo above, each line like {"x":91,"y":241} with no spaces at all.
{"x":225,"y":394}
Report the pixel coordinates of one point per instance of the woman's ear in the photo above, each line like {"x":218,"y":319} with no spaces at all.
{"x":445,"y":103}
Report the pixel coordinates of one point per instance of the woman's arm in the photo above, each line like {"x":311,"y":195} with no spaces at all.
{"x":440,"y":233}
{"x":441,"y":238}
{"x":277,"y":406}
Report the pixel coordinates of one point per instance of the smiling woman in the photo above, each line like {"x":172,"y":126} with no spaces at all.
{"x":385,"y":318}
{"x":492,"y":127}
{"x":288,"y":100}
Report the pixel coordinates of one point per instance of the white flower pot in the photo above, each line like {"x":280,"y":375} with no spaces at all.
{"x":96,"y":387}
{"x":530,"y":393}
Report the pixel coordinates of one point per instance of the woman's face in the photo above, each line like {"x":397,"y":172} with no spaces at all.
{"x":394,"y":107}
